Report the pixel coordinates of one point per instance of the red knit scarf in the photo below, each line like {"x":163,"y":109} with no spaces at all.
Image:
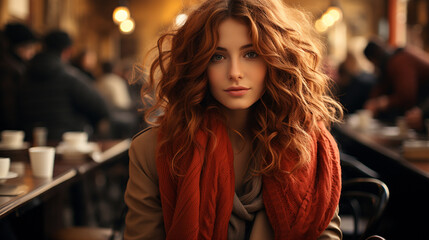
{"x":198,"y":205}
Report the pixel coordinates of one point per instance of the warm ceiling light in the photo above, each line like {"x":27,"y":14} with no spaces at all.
{"x":331,"y":16}
{"x":328,"y":20}
{"x":127,"y":26}
{"x":335,"y":13}
{"x":120,"y":14}
{"x":320,"y":26}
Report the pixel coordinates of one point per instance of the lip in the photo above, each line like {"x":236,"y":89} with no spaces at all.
{"x":237,"y":91}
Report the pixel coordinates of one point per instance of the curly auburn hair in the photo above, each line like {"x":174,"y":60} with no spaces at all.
{"x":297,"y":94}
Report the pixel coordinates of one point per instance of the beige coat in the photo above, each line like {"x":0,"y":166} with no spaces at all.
{"x":144,"y":218}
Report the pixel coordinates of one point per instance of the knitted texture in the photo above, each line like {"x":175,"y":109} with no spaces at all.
{"x":300,"y":206}
{"x":198,"y":203}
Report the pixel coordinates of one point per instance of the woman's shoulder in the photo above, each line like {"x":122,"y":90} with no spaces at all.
{"x":143,"y":149}
{"x":147,"y":134}
{"x":145,"y":140}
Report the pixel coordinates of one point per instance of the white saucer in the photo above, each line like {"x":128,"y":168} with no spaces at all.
{"x":63,"y":148}
{"x":390,"y":132}
{"x":393,"y":133}
{"x":10,"y":175}
{"x":4,"y":146}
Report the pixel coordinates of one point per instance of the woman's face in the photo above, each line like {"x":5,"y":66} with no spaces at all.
{"x":236,"y":72}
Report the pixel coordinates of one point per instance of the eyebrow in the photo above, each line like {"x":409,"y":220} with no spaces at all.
{"x":241,"y":48}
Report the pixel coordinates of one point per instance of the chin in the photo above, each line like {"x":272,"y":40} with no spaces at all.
{"x":235,"y":104}
{"x":236,"y":107}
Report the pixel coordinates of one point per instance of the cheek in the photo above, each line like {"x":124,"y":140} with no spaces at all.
{"x":259,"y":73}
{"x":214,"y":76}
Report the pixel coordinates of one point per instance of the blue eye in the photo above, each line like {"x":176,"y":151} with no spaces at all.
{"x":251,"y":55}
{"x":216,"y":58}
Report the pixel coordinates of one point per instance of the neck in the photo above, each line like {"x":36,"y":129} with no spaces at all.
{"x":237,"y":120}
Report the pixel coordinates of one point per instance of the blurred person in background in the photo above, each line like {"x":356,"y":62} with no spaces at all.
{"x":114,"y":89}
{"x":403,"y":79}
{"x":86,"y":61}
{"x":353,"y":84}
{"x":18,"y":46}
{"x":21,"y":43}
{"x":56,"y":99}
{"x":416,"y":116}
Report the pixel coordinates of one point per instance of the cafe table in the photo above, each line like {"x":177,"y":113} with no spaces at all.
{"x":19,"y":193}
{"x":381,"y":148}
{"x":385,"y":140}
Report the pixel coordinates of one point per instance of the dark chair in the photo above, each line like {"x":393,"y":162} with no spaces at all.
{"x":94,"y":233}
{"x":352,"y":168}
{"x":375,"y":237}
{"x":362,"y":204}
{"x":111,"y":193}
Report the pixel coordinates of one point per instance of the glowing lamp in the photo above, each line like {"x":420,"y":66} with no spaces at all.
{"x":120,"y":14}
{"x":335,"y":12}
{"x":127,"y":26}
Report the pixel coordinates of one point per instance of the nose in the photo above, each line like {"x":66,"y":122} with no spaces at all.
{"x":235,"y":71}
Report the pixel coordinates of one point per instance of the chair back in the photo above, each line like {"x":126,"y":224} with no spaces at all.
{"x":375,"y":237}
{"x":352,"y":168}
{"x":364,"y":200}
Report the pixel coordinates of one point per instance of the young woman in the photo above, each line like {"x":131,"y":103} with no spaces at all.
{"x":240,"y":150}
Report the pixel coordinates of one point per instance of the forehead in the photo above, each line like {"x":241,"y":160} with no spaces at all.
{"x":233,"y":33}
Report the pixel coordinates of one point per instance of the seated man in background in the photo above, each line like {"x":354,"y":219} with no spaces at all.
{"x":114,"y":89}
{"x":54,"y":97}
{"x":353,"y":84}
{"x":18,"y":45}
{"x":418,"y":116}
{"x":403,"y":79}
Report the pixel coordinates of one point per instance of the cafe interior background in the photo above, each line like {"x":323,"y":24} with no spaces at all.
{"x":91,"y":26}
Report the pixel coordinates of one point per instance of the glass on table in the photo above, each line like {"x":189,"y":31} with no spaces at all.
{"x":365,"y":117}
{"x":402,"y":125}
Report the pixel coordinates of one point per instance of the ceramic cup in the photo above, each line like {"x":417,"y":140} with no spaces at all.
{"x":4,"y":167}
{"x":365,"y":117}
{"x":12,"y":138}
{"x":75,"y":139}
{"x":42,"y":161}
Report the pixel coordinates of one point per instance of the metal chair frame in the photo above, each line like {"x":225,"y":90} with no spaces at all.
{"x":364,"y":194}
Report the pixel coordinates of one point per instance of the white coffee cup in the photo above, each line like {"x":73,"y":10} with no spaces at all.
{"x":4,"y":167}
{"x":365,"y":117}
{"x":75,"y":139}
{"x":12,"y":138}
{"x":42,"y":161}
